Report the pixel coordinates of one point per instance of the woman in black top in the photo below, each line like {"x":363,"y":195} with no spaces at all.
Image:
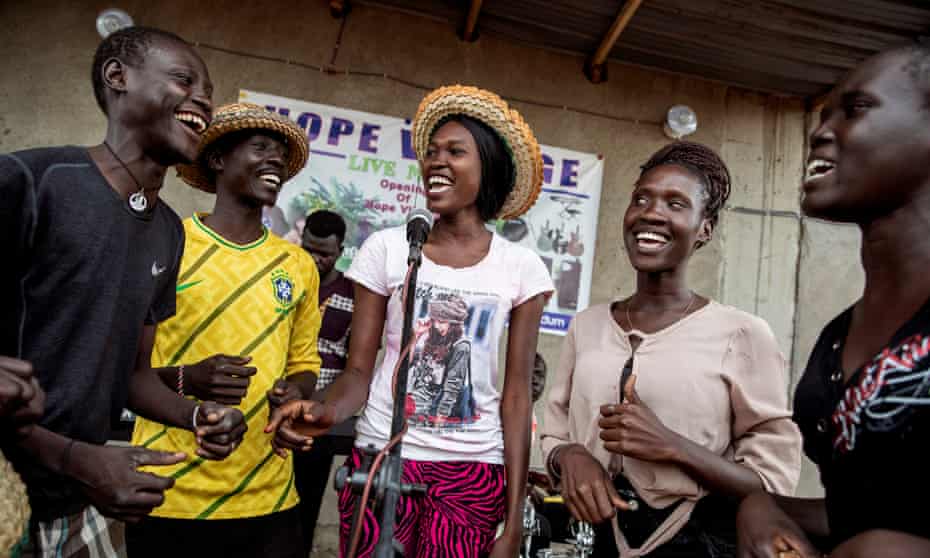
{"x":863,"y":403}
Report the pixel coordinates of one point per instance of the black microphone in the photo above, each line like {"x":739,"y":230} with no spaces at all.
{"x":419,"y":223}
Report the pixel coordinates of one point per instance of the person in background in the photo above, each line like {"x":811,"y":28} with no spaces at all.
{"x":668,"y":398}
{"x":323,"y":237}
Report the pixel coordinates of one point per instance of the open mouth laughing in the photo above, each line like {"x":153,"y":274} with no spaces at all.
{"x":651,"y":241}
{"x":192,"y":120}
{"x":438,"y":183}
{"x":272,"y":180}
{"x":818,"y":168}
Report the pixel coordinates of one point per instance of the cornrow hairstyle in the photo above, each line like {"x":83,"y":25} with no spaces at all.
{"x":129,"y":46}
{"x":498,"y":174}
{"x":705,"y":164}
{"x":324,"y":223}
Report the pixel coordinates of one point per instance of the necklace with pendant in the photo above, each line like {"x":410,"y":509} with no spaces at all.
{"x":137,"y":200}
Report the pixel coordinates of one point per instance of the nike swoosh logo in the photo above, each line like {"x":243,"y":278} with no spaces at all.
{"x":156,"y":270}
{"x":185,"y":286}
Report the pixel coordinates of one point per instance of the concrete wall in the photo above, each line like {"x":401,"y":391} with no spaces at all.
{"x":765,"y":258}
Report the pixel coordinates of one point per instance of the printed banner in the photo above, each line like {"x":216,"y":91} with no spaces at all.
{"x":363,"y":166}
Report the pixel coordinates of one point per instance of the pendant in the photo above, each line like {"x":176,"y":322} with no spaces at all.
{"x":138,"y":202}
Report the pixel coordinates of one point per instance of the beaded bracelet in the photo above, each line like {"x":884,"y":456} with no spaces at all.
{"x":181,"y":380}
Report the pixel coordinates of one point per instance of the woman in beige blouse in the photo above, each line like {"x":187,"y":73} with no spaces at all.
{"x":668,"y":399}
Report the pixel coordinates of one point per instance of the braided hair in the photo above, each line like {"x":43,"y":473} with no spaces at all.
{"x":705,"y":164}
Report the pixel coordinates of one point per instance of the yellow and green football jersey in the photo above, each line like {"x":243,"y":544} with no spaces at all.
{"x":258,"y":300}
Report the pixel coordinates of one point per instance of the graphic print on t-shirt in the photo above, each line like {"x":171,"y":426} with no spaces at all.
{"x":890,"y":388}
{"x":451,"y":330}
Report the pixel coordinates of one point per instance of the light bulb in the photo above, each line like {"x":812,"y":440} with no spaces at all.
{"x":680,"y":121}
{"x":112,"y":20}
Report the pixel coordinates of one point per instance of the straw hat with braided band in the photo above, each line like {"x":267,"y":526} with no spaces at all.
{"x":236,"y":117}
{"x":507,"y":123}
{"x":14,"y":507}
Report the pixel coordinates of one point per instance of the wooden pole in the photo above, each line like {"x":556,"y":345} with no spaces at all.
{"x":471,"y":22}
{"x":339,"y":8}
{"x":595,"y":67}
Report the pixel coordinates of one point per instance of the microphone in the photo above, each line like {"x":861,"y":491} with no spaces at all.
{"x":419,"y":223}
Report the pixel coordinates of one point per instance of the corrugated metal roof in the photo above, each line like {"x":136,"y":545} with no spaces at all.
{"x":794,"y":47}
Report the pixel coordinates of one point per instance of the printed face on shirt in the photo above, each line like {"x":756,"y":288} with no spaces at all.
{"x":252,"y":170}
{"x":451,"y":170}
{"x":169,"y":99}
{"x":869,"y":153}
{"x":324,"y":251}
{"x":664,"y":222}
{"x":441,"y":326}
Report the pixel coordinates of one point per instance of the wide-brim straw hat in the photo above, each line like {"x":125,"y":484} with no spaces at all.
{"x":14,"y":507}
{"x":236,"y":117}
{"x":506,"y":122}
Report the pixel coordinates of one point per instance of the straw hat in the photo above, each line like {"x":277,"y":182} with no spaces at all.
{"x":246,"y":116}
{"x":492,"y":110}
{"x":14,"y":507}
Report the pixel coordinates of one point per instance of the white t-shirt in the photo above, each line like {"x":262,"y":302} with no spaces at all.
{"x":453,"y":405}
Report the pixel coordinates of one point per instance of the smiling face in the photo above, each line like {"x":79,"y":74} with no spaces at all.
{"x":869,"y":153}
{"x":665,"y":222}
{"x":251,"y":168}
{"x":165,"y":101}
{"x":451,"y":170}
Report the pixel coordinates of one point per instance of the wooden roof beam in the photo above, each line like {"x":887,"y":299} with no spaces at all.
{"x":469,"y":32}
{"x":595,"y":67}
{"x":339,"y":8}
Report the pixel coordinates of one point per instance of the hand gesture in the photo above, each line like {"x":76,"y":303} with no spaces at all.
{"x":632,"y":429}
{"x":296,"y":423}
{"x":109,"y":476}
{"x":766,"y":531}
{"x":282,"y":392}
{"x":22,"y":401}
{"x":219,"y":430}
{"x":587,"y":488}
{"x":220,"y":378}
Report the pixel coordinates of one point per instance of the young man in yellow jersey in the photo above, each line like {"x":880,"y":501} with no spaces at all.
{"x":245,"y":292}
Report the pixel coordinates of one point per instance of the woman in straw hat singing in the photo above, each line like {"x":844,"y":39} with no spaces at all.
{"x":479,"y":161}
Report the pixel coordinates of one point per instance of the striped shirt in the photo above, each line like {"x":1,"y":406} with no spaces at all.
{"x":260,"y":300}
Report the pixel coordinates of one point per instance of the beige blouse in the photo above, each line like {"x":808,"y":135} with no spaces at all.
{"x":716,"y":377}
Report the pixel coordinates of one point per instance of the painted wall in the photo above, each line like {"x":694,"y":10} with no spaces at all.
{"x":765,"y":259}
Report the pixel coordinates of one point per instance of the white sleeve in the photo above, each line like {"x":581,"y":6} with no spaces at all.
{"x":369,"y":266}
{"x":534,"y":278}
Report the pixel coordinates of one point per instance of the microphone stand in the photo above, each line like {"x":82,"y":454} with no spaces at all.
{"x":387,"y":483}
{"x":393,"y":464}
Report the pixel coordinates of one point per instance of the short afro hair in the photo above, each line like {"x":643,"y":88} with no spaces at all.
{"x":918,"y":64}
{"x":705,"y":164}
{"x":324,"y":223}
{"x":130,"y":46}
